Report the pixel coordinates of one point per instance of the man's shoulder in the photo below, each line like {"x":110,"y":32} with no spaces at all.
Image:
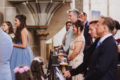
{"x":108,"y":40}
{"x":4,"y":36}
{"x":109,"y":43}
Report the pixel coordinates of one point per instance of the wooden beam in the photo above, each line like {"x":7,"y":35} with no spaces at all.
{"x":36,"y":27}
{"x":20,"y":1}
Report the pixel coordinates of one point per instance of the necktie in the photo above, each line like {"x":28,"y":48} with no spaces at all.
{"x":98,"y":44}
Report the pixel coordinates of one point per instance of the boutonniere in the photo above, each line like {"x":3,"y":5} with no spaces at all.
{"x":118,"y":40}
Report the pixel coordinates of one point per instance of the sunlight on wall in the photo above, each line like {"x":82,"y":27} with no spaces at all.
{"x":101,"y":5}
{"x":57,"y":39}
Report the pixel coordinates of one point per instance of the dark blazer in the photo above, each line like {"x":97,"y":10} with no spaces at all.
{"x":87,"y":35}
{"x":88,"y":39}
{"x":83,"y":67}
{"x":102,"y":63}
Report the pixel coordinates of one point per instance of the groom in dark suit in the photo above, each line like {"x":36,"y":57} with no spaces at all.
{"x":102,"y":63}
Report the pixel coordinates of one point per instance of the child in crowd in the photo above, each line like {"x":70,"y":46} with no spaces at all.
{"x":23,"y":73}
{"x":8,"y":28}
{"x":37,"y":69}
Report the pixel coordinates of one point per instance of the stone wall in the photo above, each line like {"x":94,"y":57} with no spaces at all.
{"x":8,"y":11}
{"x":58,"y":20}
{"x":55,"y":21}
{"x":79,"y":5}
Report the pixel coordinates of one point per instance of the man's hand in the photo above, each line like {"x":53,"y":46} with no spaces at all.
{"x":60,"y":47}
{"x":67,"y":74}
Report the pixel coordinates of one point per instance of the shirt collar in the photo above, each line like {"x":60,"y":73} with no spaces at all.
{"x":106,"y":36}
{"x":86,"y":23}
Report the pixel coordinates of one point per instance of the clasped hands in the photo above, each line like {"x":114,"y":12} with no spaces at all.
{"x":67,"y":74}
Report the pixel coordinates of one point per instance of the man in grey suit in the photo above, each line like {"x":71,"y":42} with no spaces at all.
{"x":5,"y":54}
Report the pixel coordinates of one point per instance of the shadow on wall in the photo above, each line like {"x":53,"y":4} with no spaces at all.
{"x":1,"y":18}
{"x":58,"y":20}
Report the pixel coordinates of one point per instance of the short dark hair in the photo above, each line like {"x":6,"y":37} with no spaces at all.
{"x":109,"y":22}
{"x":80,"y":24}
{"x":83,"y":13}
{"x":117,"y":25}
{"x":68,"y":22}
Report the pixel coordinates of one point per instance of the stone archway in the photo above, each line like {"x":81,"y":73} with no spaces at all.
{"x":58,"y":20}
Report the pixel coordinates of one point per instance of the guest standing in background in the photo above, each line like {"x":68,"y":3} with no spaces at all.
{"x":116,"y":34}
{"x":84,"y":65}
{"x":102,"y":64}
{"x":22,"y":53}
{"x":8,"y":28}
{"x":83,"y":17}
{"x":5,"y":54}
{"x":75,"y":56}
{"x":68,"y":25}
{"x":73,"y":16}
{"x":92,"y":30}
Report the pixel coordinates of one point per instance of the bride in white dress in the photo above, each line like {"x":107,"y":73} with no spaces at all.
{"x":75,"y":56}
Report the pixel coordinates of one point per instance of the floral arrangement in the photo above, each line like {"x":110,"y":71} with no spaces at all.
{"x":12,"y":35}
{"x":21,"y":70}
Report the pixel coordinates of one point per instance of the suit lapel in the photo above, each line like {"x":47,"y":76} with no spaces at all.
{"x":97,"y":51}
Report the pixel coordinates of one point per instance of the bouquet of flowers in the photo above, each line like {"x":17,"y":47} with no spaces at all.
{"x":12,"y":36}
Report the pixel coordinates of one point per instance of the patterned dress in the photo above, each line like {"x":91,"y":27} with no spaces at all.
{"x":79,"y":58}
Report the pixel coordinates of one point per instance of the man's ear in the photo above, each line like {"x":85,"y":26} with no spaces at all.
{"x":105,"y":27}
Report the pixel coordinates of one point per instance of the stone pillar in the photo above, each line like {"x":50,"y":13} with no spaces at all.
{"x":8,"y":11}
{"x":42,"y":38}
{"x":79,"y":5}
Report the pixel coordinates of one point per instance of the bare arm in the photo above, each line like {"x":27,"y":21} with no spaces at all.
{"x":76,"y":51}
{"x":24,"y":39}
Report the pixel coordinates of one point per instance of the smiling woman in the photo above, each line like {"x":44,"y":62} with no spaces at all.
{"x":75,"y":56}
{"x":22,"y":53}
